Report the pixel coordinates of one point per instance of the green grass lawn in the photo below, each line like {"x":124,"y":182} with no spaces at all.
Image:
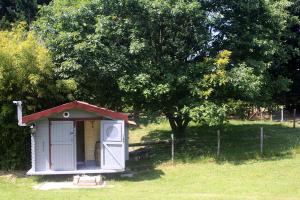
{"x":239,"y":173}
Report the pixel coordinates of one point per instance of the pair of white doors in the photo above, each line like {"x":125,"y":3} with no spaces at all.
{"x":63,"y":145}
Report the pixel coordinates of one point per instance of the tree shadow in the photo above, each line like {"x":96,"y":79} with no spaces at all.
{"x":141,"y":171}
{"x":145,"y":120}
{"x":13,"y":174}
{"x":139,"y":174}
{"x":239,"y":143}
{"x":53,"y":178}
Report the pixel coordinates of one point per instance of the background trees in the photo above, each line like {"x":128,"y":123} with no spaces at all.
{"x":26,"y":73}
{"x":168,"y":56}
{"x":253,"y":32}
{"x":189,"y":60}
{"x":13,"y":11}
{"x":88,"y":45}
{"x":291,"y":68}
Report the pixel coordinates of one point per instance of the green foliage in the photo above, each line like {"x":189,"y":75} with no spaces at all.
{"x":209,"y":113}
{"x":238,"y":108}
{"x":291,"y":68}
{"x":253,"y":32}
{"x":89,"y":46}
{"x":14,"y":11}
{"x":245,"y":84}
{"x":27,"y":74}
{"x":138,"y":53}
{"x":250,"y":29}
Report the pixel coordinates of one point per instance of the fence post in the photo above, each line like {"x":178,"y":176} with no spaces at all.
{"x":281,"y":114}
{"x":294,"y":118}
{"x":261,"y":114}
{"x":261,"y":140}
{"x":219,"y":143}
{"x":172,"y":148}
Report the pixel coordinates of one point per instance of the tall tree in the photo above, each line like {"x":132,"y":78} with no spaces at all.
{"x":150,"y":54}
{"x":78,"y":34}
{"x":253,"y":32}
{"x":292,"y":67}
{"x":26,"y":73}
{"x":13,"y":11}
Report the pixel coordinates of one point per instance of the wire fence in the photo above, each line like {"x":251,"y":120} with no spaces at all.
{"x":220,"y":146}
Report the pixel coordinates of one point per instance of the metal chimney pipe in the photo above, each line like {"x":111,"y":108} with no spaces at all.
{"x":19,"y":112}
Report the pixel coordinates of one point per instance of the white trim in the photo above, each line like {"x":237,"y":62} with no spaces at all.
{"x":66,"y":114}
{"x":75,"y":143}
{"x":32,"y":152}
{"x":126,"y":142}
{"x":83,"y":171}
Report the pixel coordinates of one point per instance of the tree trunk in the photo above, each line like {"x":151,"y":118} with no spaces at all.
{"x":178,"y":125}
{"x":136,"y":115}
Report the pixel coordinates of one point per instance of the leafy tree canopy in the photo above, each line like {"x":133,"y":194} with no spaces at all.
{"x":253,"y":32}
{"x":14,"y":11}
{"x":168,"y":56}
{"x":27,"y":74}
{"x":291,"y":68}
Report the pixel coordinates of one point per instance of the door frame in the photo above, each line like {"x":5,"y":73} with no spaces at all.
{"x":75,"y":134}
{"x":75,"y":130}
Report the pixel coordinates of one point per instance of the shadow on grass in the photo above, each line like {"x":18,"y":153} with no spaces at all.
{"x":54,"y":178}
{"x":13,"y":174}
{"x":147,"y":173}
{"x":240,"y":143}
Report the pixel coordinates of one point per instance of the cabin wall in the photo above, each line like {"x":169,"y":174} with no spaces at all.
{"x":126,"y":142}
{"x":41,"y":141}
{"x":75,"y":114}
{"x":91,"y":136}
{"x":92,"y":129}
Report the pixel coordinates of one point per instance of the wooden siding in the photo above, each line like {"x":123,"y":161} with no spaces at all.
{"x":126,"y":142}
{"x":41,"y":141}
{"x":91,"y":135}
{"x":75,"y":114}
{"x":62,"y":145}
{"x":32,"y":152}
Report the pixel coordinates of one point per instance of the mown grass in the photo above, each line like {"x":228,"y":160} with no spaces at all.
{"x":239,"y":173}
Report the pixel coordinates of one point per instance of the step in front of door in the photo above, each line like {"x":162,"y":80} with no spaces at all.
{"x":87,"y":180}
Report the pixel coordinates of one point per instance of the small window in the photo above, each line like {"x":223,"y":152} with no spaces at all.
{"x":112,"y":132}
{"x":66,"y":114}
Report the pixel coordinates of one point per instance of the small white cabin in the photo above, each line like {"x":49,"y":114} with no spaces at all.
{"x":77,"y":138}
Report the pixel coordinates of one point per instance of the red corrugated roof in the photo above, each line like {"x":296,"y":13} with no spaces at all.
{"x":77,"y":105}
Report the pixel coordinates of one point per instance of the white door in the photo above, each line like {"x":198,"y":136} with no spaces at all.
{"x":113,"y":144}
{"x":62,"y":145}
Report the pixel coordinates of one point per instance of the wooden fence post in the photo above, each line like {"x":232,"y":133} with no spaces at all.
{"x":261,"y":140}
{"x":261,"y":114}
{"x":219,"y":143}
{"x":281,"y":114}
{"x":294,"y":118}
{"x":172,"y":148}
